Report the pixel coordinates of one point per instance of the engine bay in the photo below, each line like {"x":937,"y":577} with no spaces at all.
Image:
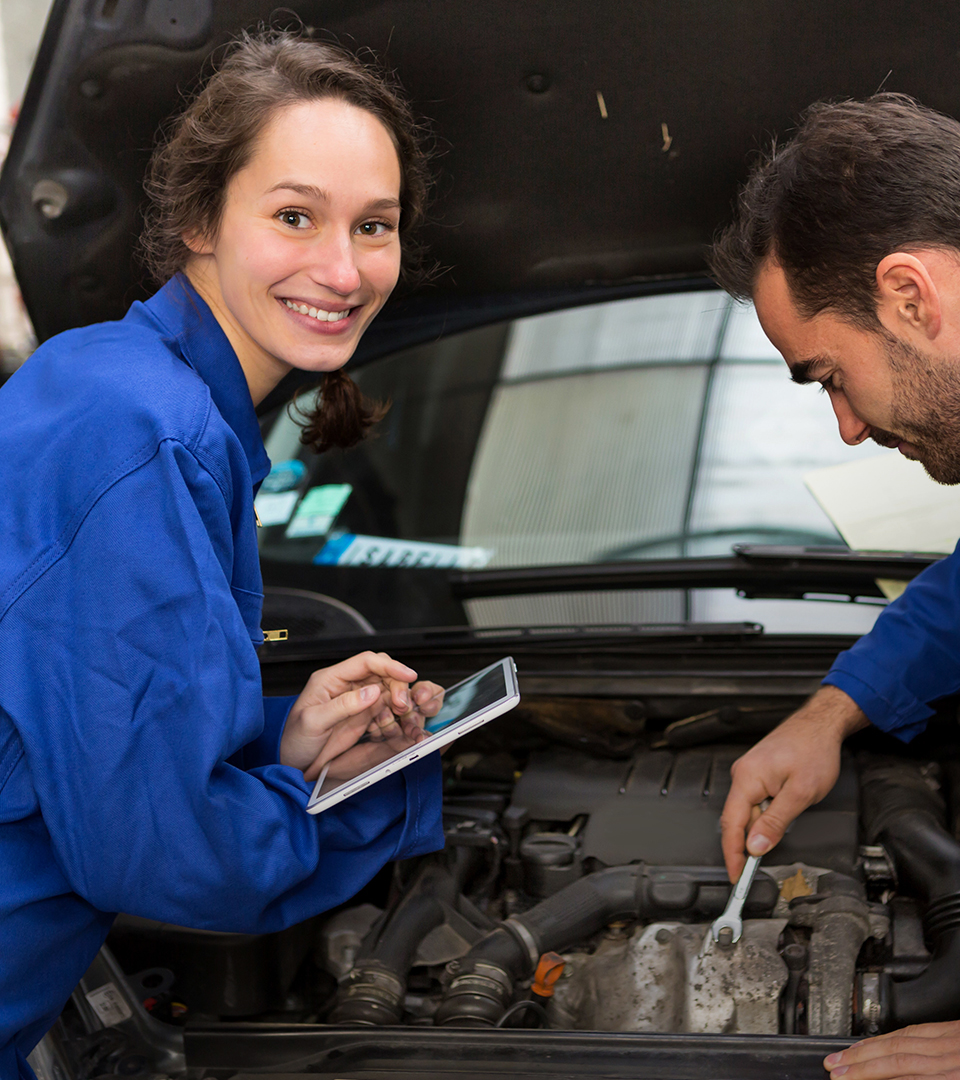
{"x":577,"y":888}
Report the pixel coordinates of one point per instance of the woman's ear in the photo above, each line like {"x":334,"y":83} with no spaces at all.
{"x":197,"y":241}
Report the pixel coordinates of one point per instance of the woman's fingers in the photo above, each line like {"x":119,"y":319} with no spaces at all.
{"x":306,"y":731}
{"x":427,"y":697}
{"x":341,"y":738}
{"x":363,"y":667}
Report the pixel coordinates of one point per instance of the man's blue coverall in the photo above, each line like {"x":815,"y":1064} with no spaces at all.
{"x":138,"y":758}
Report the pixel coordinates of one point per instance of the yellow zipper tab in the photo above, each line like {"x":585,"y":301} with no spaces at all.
{"x":257,"y":516}
{"x":275,"y":635}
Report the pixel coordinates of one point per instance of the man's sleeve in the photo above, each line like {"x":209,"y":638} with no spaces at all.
{"x":132,"y":679}
{"x":912,"y":655}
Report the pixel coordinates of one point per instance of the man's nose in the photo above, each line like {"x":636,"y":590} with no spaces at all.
{"x":853,"y":430}
{"x":335,"y":264}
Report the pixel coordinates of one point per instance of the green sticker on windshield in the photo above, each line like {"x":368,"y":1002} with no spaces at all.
{"x":318,"y":510}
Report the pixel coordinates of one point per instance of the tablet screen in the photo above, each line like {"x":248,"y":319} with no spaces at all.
{"x":462,"y":703}
{"x":469,"y":697}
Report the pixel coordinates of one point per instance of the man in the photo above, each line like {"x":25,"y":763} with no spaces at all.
{"x":847,"y":240}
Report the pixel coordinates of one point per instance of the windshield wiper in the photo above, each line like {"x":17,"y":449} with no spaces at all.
{"x":757,"y":571}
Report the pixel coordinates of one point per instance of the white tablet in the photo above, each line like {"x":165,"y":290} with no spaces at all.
{"x":475,"y":701}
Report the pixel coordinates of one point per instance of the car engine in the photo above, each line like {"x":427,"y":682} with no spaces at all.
{"x":577,"y":890}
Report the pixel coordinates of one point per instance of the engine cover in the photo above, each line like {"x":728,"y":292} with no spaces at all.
{"x":663,"y":807}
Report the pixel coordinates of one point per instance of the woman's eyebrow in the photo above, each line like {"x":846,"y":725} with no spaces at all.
{"x":310,"y":191}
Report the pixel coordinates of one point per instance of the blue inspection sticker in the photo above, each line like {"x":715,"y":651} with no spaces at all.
{"x":330,"y":553}
{"x":349,"y":549}
{"x":283,"y":476}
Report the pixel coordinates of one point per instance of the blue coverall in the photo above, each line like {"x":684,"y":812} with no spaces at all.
{"x":138,"y":758}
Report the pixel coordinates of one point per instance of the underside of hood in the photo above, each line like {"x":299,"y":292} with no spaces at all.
{"x":577,"y":143}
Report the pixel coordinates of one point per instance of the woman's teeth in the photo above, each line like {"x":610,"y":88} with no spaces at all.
{"x":318,"y":313}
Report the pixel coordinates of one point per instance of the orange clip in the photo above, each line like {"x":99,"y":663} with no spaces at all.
{"x":548,"y":971}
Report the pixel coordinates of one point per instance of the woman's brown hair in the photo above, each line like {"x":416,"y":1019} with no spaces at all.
{"x":213,"y":139}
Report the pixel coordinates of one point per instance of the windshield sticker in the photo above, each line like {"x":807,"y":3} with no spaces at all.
{"x":348,"y":549}
{"x":318,"y":510}
{"x":275,"y":509}
{"x":283,"y":476}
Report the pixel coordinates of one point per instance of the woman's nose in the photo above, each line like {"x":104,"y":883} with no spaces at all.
{"x":853,"y":430}
{"x":335,"y":264}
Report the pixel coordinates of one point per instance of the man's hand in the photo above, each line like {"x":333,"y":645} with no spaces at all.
{"x":923,"y":1050}
{"x":369,"y":693}
{"x":794,"y":766}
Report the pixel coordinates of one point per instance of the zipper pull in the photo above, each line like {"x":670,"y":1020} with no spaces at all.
{"x":275,"y":635}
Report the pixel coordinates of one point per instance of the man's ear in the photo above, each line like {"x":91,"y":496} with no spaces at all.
{"x":908,"y":298}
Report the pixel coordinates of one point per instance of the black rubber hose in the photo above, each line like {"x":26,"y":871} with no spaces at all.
{"x":419,"y":912}
{"x":373,"y":991}
{"x":901,"y":812}
{"x":583,"y":908}
{"x":934,"y":995}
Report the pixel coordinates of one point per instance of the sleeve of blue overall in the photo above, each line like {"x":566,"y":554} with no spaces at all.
{"x":135,"y":680}
{"x":911,"y":657}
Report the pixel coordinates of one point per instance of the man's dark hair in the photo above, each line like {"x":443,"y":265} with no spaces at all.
{"x":859,"y":180}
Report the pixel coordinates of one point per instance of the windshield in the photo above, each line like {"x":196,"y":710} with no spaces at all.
{"x":657,"y":427}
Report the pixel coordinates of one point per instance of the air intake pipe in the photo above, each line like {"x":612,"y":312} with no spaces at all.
{"x":372,"y":993}
{"x":484,"y":980}
{"x":902,"y":812}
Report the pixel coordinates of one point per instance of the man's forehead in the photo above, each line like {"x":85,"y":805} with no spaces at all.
{"x":778,"y":314}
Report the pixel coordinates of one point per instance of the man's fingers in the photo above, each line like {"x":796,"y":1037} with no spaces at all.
{"x":745,"y":795}
{"x":769,"y":828}
{"x":900,"y":1054}
{"x":733,"y":827}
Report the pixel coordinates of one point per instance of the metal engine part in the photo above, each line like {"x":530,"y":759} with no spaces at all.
{"x":672,"y":977}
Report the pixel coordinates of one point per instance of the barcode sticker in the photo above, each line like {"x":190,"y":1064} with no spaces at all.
{"x":109,"y":1004}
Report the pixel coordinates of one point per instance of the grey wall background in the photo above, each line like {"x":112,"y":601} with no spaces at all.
{"x":23,"y":22}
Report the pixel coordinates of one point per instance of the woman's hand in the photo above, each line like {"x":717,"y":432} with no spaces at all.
{"x":923,"y":1050}
{"x":368,"y":694}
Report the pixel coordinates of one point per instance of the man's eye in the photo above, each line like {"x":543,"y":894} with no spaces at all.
{"x":827,"y":386}
{"x":296,"y":219}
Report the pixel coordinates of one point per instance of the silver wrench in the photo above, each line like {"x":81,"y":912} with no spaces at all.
{"x":728,"y":928}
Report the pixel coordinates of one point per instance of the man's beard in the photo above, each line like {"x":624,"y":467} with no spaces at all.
{"x":926,"y":410}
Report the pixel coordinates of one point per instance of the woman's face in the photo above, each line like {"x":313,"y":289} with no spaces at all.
{"x":308,"y":249}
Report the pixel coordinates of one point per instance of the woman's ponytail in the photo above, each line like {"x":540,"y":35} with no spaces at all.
{"x":342,"y":415}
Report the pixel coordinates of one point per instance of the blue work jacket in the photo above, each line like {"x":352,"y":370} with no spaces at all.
{"x":138,"y":757}
{"x":911,"y":657}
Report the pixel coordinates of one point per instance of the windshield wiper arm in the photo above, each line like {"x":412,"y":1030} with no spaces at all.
{"x":756,"y":570}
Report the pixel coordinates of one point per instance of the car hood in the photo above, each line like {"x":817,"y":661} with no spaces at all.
{"x":580,"y":147}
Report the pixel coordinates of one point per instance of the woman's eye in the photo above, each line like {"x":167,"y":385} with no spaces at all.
{"x":375,"y":228}
{"x":296,"y":219}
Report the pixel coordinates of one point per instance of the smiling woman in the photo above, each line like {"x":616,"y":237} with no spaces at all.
{"x":145,"y":772}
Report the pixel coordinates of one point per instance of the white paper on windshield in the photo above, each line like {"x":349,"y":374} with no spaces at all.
{"x":888,"y":503}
